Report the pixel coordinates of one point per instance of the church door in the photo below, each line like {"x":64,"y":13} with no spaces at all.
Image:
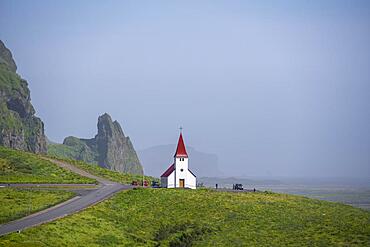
{"x":182,"y":183}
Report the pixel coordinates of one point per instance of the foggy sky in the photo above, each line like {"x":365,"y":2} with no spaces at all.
{"x":278,"y":88}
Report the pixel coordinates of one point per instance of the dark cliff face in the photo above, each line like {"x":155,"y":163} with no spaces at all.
{"x":19,"y":128}
{"x":116,"y":151}
{"x":110,"y":148}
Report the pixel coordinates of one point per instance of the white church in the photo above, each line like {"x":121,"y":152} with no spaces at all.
{"x":178,"y":175}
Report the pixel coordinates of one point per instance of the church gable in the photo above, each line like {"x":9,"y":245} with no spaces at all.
{"x":191,"y":173}
{"x":168,"y":171}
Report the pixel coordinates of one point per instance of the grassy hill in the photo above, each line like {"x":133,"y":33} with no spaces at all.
{"x":78,"y":151}
{"x":120,"y":177}
{"x":17,"y":203}
{"x":23,"y":167}
{"x":170,"y":217}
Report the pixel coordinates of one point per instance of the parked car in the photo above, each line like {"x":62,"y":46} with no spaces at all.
{"x":237,"y":187}
{"x":146,"y":183}
{"x":134,"y":183}
{"x":155,"y":184}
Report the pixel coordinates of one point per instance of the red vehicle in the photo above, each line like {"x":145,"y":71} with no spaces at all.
{"x":136,"y":183}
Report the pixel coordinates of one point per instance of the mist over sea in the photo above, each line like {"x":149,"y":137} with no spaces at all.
{"x":350,"y":191}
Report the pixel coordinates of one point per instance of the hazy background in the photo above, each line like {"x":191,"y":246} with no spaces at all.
{"x":279,"y":88}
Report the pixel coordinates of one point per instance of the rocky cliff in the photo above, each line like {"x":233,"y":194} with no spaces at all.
{"x":19,"y":128}
{"x":110,"y":148}
{"x":116,"y":151}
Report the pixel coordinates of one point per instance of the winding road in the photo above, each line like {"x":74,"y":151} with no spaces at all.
{"x":105,"y":189}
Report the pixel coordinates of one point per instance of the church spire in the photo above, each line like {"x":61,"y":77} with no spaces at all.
{"x":181,"y":150}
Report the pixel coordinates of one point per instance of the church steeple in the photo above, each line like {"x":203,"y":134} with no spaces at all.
{"x":178,"y":175}
{"x":181,"y":150}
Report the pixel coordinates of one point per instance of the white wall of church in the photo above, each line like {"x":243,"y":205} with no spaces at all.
{"x":181,"y":165}
{"x":168,"y":182}
{"x":182,"y":172}
{"x":192,"y":181}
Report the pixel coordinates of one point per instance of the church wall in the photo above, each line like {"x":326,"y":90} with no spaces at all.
{"x":192,"y":181}
{"x":171,"y":180}
{"x":164,"y":182}
{"x":181,"y":170}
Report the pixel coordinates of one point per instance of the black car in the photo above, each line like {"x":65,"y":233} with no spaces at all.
{"x":155,"y":184}
{"x":237,"y":187}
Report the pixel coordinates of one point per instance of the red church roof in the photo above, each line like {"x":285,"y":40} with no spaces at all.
{"x":181,"y":150}
{"x":168,"y":171}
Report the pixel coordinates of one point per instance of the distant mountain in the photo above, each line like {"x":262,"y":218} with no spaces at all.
{"x":110,"y":148}
{"x":19,"y":127}
{"x":158,"y":158}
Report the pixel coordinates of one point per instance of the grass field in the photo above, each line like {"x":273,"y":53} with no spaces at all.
{"x":169,"y":217}
{"x":17,"y":203}
{"x":124,"y":178}
{"x":22,"y":167}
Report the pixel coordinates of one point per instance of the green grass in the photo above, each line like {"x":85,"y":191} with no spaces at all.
{"x":22,"y":167}
{"x":120,"y":177}
{"x":10,"y":81}
{"x":17,"y":203}
{"x":10,"y":84}
{"x":76,"y":150}
{"x":170,"y":217}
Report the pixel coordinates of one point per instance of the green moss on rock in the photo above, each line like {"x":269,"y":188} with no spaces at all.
{"x":19,"y":127}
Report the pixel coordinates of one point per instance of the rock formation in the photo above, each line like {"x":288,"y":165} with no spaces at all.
{"x":115,"y":151}
{"x":110,"y":148}
{"x":19,"y":128}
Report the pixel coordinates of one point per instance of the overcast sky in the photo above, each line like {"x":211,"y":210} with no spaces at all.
{"x":279,"y":88}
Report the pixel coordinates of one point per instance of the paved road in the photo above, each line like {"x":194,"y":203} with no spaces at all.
{"x":49,"y":185}
{"x":107,"y":188}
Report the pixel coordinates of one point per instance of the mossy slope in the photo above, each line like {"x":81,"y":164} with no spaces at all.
{"x":163,"y":217}
{"x":120,"y":177}
{"x":23,"y":167}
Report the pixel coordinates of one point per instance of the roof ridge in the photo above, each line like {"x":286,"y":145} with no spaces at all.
{"x":169,"y":170}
